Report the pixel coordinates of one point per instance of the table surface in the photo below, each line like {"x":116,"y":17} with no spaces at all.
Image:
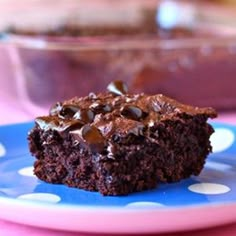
{"x":12,"y":112}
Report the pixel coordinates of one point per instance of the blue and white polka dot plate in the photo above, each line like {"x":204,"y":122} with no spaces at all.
{"x":197,"y":202}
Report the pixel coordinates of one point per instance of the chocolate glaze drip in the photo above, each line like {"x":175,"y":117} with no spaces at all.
{"x":90,"y":135}
{"x":93,"y":137}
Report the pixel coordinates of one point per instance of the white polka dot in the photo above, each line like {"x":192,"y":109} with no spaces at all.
{"x":27,"y":171}
{"x":2,"y":150}
{"x":222,"y":139}
{"x":42,"y":197}
{"x":209,"y":188}
{"x":144,"y":205}
{"x":217,"y":166}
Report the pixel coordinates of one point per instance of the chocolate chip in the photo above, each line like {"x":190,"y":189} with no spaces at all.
{"x":132,"y":112}
{"x":55,"y":109}
{"x":59,"y":125}
{"x":93,"y":138}
{"x":84,"y":115}
{"x":70,"y":125}
{"x":117,"y":87}
{"x":68,"y":111}
{"x":100,"y":108}
{"x":47,"y":122}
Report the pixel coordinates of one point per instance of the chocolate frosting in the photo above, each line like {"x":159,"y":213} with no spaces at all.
{"x":96,"y":117}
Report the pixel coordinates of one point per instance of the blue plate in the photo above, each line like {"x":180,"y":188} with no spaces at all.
{"x":214,"y":187}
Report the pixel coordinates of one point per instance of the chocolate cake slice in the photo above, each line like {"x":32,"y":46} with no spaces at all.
{"x":118,"y":143}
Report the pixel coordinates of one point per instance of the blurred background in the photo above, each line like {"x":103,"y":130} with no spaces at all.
{"x":51,"y":50}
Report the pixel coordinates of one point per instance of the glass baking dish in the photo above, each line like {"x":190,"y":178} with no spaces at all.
{"x":196,"y":68}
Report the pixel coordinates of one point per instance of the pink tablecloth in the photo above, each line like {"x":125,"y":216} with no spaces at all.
{"x":12,"y":112}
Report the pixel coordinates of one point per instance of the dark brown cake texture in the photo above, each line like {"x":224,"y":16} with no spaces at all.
{"x":118,"y":143}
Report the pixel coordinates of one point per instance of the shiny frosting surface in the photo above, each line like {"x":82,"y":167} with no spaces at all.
{"x":96,"y":117}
